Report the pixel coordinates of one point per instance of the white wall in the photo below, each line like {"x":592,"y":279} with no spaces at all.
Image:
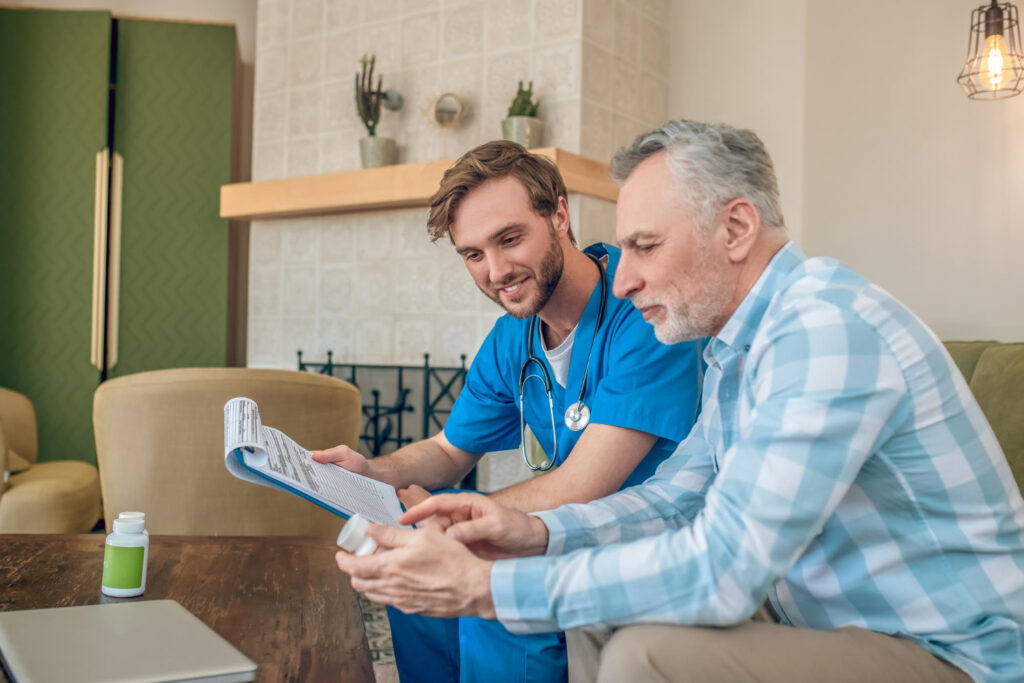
{"x":908,"y":181}
{"x":741,"y":62}
{"x":893,"y":169}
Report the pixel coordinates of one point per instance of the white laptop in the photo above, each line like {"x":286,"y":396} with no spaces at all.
{"x":151,"y":640}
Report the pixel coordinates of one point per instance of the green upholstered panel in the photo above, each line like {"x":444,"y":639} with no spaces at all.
{"x":173,"y":125}
{"x":998,"y":385}
{"x":966,"y":354}
{"x":54,"y":73}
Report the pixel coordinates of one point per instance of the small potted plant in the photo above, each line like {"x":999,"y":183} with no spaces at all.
{"x":373,"y":149}
{"x":522,"y":124}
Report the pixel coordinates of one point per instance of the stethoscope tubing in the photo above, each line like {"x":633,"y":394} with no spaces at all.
{"x":578,"y":410}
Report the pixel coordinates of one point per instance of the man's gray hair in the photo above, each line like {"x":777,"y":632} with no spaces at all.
{"x":712,"y":164}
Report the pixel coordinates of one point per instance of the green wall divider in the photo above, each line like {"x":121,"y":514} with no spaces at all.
{"x":54,"y":71}
{"x":173,"y":126}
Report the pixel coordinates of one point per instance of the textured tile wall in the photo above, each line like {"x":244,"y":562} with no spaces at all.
{"x":600,"y":69}
{"x":624,"y":87}
{"x":307,"y":54}
{"x":371,"y":287}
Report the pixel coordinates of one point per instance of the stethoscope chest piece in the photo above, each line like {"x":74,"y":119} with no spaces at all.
{"x":577,"y":416}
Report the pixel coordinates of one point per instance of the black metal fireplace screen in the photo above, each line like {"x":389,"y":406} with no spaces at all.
{"x":391,"y":391}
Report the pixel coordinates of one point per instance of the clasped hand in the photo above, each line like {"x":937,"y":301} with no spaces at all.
{"x":443,"y":569}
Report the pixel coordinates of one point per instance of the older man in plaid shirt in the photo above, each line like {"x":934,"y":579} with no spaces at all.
{"x":841,"y":473}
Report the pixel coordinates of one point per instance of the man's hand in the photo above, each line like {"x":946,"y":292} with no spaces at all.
{"x":422,"y":571}
{"x":343,"y":456}
{"x":414,"y":495}
{"x":432,"y":463}
{"x":491,"y":530}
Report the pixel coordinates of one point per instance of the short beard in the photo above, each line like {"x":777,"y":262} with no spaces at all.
{"x":547,"y":277}
{"x":703,"y":314}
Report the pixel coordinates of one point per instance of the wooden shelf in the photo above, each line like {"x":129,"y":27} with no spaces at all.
{"x":387,"y":187}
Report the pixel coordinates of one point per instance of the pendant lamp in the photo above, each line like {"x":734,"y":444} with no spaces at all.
{"x":994,"y":69}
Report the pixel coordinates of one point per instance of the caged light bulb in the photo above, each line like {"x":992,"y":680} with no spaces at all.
{"x":992,"y":71}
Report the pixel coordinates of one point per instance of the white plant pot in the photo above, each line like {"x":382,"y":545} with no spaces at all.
{"x":526,"y":130}
{"x":377,"y":151}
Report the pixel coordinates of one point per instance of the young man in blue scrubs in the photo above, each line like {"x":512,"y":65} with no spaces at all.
{"x":630,"y":398}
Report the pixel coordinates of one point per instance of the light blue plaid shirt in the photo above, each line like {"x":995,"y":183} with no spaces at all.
{"x":840,"y":467}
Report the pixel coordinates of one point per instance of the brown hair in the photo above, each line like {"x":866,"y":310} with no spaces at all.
{"x":496,"y":159}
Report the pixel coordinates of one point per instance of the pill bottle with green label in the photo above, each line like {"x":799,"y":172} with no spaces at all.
{"x":125,"y":558}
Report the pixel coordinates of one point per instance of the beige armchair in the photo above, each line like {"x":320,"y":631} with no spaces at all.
{"x":41,"y":497}
{"x":160,"y":444}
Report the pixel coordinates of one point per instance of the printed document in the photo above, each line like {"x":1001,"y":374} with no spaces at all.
{"x":267,"y":456}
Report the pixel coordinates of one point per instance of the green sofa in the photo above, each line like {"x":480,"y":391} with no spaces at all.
{"x":995,"y":373}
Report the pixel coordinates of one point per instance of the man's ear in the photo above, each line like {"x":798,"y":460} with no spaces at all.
{"x":560,"y":217}
{"x":741,"y":224}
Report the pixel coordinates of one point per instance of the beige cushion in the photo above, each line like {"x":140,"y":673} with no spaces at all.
{"x":4,"y":455}
{"x":48,"y":497}
{"x":51,"y":497}
{"x":19,"y":424}
{"x":16,"y":463}
{"x":160,"y":445}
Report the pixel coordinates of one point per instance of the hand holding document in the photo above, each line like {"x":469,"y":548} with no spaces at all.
{"x":267,"y":456}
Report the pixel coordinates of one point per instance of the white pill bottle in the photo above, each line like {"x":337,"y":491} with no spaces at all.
{"x":125,"y":558}
{"x":353,"y":536}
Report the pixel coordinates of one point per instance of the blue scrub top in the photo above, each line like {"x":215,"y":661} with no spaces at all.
{"x":635,"y":382}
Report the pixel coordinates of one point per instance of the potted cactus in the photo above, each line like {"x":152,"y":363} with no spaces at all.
{"x":373,"y":149}
{"x":522,"y":125}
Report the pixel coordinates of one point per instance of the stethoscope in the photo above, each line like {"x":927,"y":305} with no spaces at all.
{"x":577,"y":416}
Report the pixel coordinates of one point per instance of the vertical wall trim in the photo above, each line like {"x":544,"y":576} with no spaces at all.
{"x":238,"y":234}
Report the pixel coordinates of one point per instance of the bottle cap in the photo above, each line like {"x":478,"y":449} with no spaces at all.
{"x":353,"y":536}
{"x":129,"y":526}
{"x":132,"y":515}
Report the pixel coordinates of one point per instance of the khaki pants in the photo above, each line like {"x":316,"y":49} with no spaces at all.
{"x":757,"y":650}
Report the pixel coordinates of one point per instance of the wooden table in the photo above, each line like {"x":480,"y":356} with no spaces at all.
{"x":281,"y":601}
